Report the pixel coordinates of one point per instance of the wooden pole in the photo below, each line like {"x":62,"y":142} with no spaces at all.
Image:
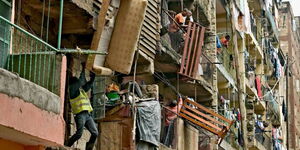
{"x":239,"y":76}
{"x":97,"y":33}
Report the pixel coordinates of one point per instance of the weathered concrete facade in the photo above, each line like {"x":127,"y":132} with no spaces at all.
{"x":242,"y":79}
{"x":289,"y":37}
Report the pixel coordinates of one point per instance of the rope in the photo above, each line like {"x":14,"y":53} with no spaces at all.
{"x":49,"y":4}
{"x":133,"y":88}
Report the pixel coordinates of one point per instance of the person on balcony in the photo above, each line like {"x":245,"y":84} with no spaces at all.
{"x":225,"y":40}
{"x":179,"y":21}
{"x":171,"y":112}
{"x":189,"y":17}
{"x":81,"y":108}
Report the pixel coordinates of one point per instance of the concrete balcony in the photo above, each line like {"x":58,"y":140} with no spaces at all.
{"x":262,"y":141}
{"x":32,"y":79}
{"x":259,"y":105}
{"x":29,"y":114}
{"x":255,"y":46}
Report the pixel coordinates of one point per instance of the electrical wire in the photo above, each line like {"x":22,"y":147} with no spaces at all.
{"x":43,"y":17}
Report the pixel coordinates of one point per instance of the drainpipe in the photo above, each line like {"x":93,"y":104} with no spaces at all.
{"x":60,"y":23}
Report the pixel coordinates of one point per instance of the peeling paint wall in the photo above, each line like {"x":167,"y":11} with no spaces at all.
{"x":15,"y":86}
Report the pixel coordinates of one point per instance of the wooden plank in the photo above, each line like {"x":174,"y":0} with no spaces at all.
{"x":111,"y":135}
{"x":194,"y":53}
{"x":97,"y":33}
{"x":186,"y":44}
{"x":199,"y":51}
{"x":198,"y":123}
{"x":204,"y":115}
{"x":190,"y":49}
{"x":201,"y":120}
{"x":207,"y":110}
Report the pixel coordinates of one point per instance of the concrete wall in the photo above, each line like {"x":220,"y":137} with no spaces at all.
{"x":30,"y":114}
{"x":44,"y":73}
{"x":14,"y":86}
{"x":187,"y":136}
{"x":25,"y":123}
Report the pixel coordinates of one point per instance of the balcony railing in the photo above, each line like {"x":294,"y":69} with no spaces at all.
{"x":28,"y":56}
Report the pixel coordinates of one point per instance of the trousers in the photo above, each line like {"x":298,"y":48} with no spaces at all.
{"x":84,"y":119}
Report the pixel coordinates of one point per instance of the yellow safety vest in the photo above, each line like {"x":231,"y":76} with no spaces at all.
{"x":81,"y":103}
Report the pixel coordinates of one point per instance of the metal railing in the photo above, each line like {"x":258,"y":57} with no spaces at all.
{"x":25,"y":54}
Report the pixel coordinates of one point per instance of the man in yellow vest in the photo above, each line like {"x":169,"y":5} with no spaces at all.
{"x":81,"y":108}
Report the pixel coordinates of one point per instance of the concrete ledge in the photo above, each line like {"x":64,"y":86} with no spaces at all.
{"x":15,"y":86}
{"x":25,"y":123}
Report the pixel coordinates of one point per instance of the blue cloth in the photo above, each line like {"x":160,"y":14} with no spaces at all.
{"x":219,"y":45}
{"x":277,"y":69}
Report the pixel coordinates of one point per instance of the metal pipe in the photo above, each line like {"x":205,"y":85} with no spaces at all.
{"x":82,"y":51}
{"x":60,"y":23}
{"x":25,"y":32}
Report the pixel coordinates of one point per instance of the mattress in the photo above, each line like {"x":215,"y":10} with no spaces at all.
{"x":125,"y":35}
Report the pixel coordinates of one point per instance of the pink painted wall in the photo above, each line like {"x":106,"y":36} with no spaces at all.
{"x":30,"y":120}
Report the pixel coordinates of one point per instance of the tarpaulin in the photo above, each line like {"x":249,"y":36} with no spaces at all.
{"x":149,"y":121}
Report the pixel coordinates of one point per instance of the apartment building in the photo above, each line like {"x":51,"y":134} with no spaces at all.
{"x":232,"y":72}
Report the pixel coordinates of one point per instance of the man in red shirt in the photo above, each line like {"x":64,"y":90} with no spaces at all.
{"x":171,"y":112}
{"x":179,"y":20}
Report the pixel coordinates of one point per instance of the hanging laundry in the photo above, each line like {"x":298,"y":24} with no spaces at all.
{"x":277,"y":68}
{"x":238,"y":114}
{"x":258,"y":87}
{"x":218,"y":42}
{"x":240,"y":137}
{"x":284,"y":111}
